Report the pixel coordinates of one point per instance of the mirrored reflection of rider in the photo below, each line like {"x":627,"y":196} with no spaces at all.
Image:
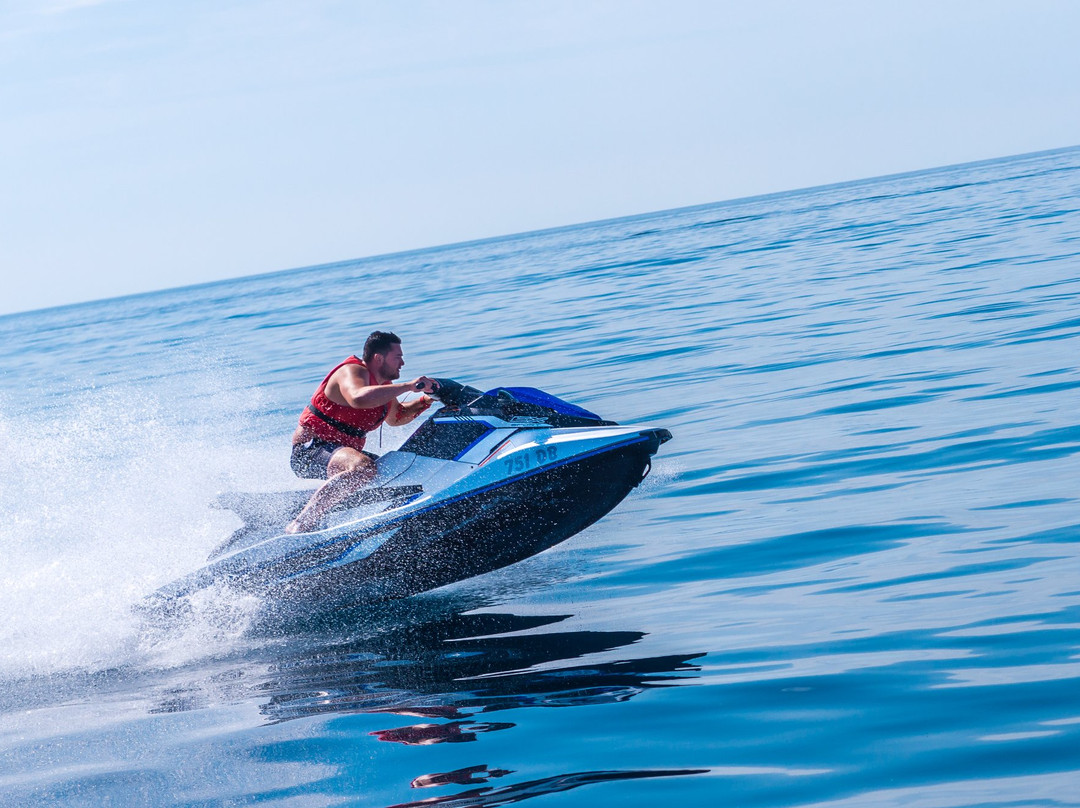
{"x":355,"y":398}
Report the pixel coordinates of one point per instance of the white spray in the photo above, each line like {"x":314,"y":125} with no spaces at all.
{"x":106,"y":500}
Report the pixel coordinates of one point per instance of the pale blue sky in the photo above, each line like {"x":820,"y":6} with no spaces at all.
{"x":147,"y":145}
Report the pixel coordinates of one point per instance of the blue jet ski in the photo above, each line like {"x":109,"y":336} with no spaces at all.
{"x":488,"y":480}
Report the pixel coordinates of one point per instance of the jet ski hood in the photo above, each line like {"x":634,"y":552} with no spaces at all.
{"x":511,"y":402}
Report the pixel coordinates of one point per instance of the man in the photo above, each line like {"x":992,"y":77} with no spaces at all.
{"x":355,"y":398}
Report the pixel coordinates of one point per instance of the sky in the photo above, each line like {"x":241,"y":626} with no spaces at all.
{"x":148,"y":145}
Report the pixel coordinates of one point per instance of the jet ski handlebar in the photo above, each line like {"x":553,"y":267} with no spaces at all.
{"x":455,"y":394}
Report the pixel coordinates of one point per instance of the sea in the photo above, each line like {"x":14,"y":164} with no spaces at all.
{"x":851,"y":579}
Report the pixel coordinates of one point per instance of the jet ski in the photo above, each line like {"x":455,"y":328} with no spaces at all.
{"x":488,"y":480}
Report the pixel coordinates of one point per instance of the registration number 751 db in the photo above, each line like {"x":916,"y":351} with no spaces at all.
{"x":524,"y":461}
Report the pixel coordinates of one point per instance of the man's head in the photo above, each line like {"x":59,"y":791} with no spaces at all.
{"x":382,"y":355}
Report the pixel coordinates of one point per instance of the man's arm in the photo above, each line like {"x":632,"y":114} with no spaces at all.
{"x":401,"y":414}
{"x":349,"y":386}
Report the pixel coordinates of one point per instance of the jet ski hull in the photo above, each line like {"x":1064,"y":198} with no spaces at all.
{"x":485,"y":531}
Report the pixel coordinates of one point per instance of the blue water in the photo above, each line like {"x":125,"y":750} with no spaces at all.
{"x":852,"y":579}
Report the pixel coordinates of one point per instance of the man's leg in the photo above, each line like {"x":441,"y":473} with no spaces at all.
{"x":347,"y":471}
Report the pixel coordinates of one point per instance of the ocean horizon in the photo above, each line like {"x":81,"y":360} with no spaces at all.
{"x":558,"y":228}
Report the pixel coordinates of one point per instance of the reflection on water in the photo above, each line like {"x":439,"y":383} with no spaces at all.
{"x":489,"y":796}
{"x":457,"y":665}
{"x":426,"y":734}
{"x":427,"y":660}
{"x":402,"y":684}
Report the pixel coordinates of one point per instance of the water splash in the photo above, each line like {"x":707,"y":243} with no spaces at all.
{"x":108,"y":500}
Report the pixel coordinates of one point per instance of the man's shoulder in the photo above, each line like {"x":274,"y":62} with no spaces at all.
{"x":352,"y":370}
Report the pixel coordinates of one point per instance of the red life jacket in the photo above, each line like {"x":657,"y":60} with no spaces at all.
{"x":337,"y":423}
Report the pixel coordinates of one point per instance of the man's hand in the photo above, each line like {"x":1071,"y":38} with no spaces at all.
{"x":424,"y":384}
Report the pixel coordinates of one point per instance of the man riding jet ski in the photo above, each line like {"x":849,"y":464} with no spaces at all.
{"x":355,"y":398}
{"x":490,"y":479}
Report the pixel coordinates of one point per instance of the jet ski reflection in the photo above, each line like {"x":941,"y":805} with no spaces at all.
{"x":454,"y":668}
{"x":423,"y":660}
{"x":489,"y":797}
{"x":436,"y":675}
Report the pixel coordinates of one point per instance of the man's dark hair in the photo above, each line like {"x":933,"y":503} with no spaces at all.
{"x":379,"y":342}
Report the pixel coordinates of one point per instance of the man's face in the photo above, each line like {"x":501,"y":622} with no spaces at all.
{"x":391,"y":363}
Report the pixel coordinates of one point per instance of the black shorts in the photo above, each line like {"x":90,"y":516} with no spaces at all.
{"x":309,"y":460}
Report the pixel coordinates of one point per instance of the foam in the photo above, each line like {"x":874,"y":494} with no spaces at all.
{"x":109,"y":499}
